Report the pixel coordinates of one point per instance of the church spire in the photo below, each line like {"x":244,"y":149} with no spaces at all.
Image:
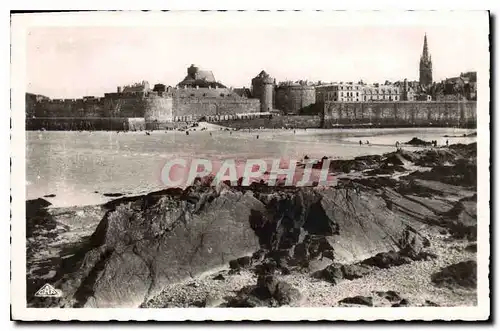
{"x":425,"y":65}
{"x":425,"y":52}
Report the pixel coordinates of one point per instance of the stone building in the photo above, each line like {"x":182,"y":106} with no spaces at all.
{"x":293,"y":98}
{"x":407,"y":91}
{"x":386,"y":92}
{"x":263,"y":89}
{"x":199,"y":78}
{"x":347,"y":92}
{"x":137,"y":89}
{"x":425,"y":66}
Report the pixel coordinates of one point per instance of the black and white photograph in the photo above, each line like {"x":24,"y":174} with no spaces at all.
{"x":293,"y":165}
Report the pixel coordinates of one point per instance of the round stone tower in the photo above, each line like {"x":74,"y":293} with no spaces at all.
{"x":263,"y":89}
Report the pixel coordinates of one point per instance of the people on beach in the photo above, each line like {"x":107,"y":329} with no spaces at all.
{"x":257,"y":136}
{"x":446,"y":142}
{"x":360,"y":143}
{"x":397,"y":146}
{"x":367,"y":142}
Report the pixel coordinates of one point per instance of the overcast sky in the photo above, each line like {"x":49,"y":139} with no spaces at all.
{"x":69,"y":62}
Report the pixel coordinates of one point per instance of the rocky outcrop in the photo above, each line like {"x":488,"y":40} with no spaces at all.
{"x":146,"y":242}
{"x":269,"y":292}
{"x":462,"y":274}
{"x":336,"y":272}
{"x":418,"y":142}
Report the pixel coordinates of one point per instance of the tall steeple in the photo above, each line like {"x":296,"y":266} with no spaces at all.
{"x":425,"y":65}
{"x":425,"y":52}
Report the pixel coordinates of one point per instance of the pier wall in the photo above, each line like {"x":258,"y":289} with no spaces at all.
{"x":392,"y":114}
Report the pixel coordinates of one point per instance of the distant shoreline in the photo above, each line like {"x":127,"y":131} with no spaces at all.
{"x":354,"y":126}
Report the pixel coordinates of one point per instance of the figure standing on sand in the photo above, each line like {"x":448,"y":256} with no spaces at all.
{"x":397,"y":146}
{"x":446,"y":142}
{"x":360,"y":143}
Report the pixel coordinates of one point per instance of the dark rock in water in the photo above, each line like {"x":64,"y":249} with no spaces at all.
{"x":150,"y":241}
{"x":391,"y":296}
{"x":49,"y":196}
{"x":358,"y":300}
{"x":462,"y":274}
{"x":113,"y":194}
{"x":402,"y":303}
{"x":418,"y":142}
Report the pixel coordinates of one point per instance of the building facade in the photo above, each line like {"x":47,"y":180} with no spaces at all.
{"x":347,"y":92}
{"x":407,"y":92}
{"x":378,"y":92}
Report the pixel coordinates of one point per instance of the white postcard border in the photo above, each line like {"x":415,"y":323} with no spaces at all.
{"x":389,"y":18}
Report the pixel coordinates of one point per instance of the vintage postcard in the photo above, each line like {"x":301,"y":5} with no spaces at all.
{"x":284,"y":166}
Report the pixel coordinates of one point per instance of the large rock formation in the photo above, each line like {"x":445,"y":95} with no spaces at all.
{"x":144,"y":243}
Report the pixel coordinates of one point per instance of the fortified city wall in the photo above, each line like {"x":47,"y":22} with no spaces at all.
{"x":97,"y":113}
{"x":293,"y":99}
{"x":196,"y":108}
{"x":405,"y":113}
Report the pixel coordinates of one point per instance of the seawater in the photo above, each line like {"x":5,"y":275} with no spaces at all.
{"x":79,"y":167}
